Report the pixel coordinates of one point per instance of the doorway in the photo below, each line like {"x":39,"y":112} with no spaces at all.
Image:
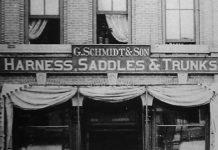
{"x":112,"y":126}
{"x":113,"y":140}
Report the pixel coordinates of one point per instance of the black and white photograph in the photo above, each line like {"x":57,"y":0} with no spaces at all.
{"x":108,"y":74}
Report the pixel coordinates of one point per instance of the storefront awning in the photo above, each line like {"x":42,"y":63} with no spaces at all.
{"x":38,"y":97}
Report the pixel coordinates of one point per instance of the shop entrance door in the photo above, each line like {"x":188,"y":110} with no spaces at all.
{"x":113,"y":126}
{"x":113,"y":140}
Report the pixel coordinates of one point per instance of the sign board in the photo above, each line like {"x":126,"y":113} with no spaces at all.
{"x":111,"y":50}
{"x":108,"y":59}
{"x":108,"y":64}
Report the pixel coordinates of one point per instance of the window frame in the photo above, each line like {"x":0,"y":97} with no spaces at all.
{"x":96,"y":12}
{"x":67,"y":106}
{"x":196,"y":28}
{"x":154,"y":125}
{"x":29,"y":16}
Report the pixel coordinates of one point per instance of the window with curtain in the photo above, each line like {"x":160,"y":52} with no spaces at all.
{"x":112,"y":22}
{"x":180,"y":21}
{"x":180,"y":128}
{"x":44,"y":22}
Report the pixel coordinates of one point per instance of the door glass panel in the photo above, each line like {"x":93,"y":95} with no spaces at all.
{"x":36,"y":7}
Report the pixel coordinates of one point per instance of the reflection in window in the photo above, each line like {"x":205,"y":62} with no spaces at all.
{"x":180,"y":128}
{"x":180,"y":21}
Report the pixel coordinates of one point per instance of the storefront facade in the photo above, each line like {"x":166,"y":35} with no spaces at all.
{"x":109,"y":74}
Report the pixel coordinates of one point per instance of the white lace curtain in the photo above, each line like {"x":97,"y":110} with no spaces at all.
{"x":119,"y":27}
{"x":36,"y":28}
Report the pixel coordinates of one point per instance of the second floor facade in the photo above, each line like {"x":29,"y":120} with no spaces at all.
{"x":147,"y":22}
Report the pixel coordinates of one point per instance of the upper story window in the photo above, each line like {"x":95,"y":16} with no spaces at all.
{"x":44,"y":22}
{"x":180,"y":21}
{"x":112,"y":22}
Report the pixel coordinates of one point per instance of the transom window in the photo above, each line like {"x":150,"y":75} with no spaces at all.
{"x":180,"y":21}
{"x":112,"y":22}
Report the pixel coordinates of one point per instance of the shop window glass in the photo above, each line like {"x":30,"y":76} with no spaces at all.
{"x":44,"y":22}
{"x":112,"y":22}
{"x":42,"y":129}
{"x":180,"y":128}
{"x":180,"y":21}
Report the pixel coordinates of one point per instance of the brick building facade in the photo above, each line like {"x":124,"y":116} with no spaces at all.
{"x":80,"y":24}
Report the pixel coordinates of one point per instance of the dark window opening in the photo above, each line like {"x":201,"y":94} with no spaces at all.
{"x":104,"y":33}
{"x":50,"y":34}
{"x":180,"y":127}
{"x":40,"y":128}
{"x":44,"y":22}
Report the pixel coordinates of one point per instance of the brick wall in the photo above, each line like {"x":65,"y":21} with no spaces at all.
{"x":78,"y":22}
{"x":146,"y":22}
{"x":13,"y":21}
{"x":215,"y":24}
{"x":206,"y":20}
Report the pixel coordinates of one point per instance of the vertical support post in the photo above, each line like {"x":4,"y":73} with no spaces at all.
{"x":71,"y":127}
{"x":154,"y":129}
{"x":143,"y":127}
{"x":146,"y":124}
{"x":78,"y":139}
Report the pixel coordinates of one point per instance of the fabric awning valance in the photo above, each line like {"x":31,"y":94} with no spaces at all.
{"x":112,"y":94}
{"x":38,"y":97}
{"x":182,"y":95}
